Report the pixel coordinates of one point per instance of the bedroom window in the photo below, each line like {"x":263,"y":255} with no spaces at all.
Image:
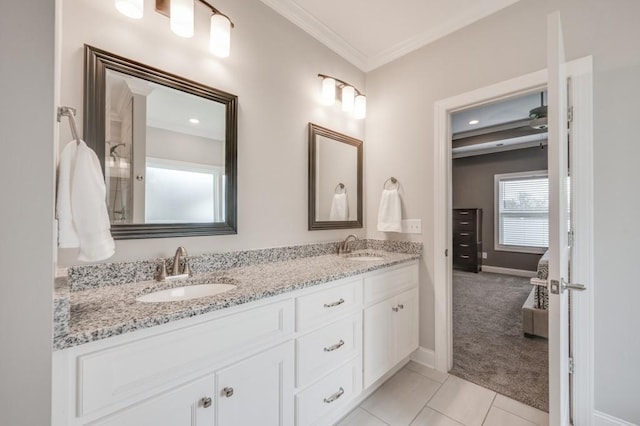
{"x":522,"y":212}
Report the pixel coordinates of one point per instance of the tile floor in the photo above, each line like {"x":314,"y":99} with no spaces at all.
{"x":420,"y":396}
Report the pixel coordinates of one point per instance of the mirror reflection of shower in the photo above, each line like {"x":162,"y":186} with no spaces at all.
{"x":119,"y":172}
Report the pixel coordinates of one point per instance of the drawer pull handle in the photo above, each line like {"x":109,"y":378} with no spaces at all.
{"x":464,"y":223}
{"x":334,"y":304}
{"x":228,"y":392}
{"x":206,"y":402}
{"x":463,"y":212}
{"x":334,"y":396}
{"x":464,"y":234}
{"x":464,"y":256}
{"x":334,"y":347}
{"x":464,"y":245}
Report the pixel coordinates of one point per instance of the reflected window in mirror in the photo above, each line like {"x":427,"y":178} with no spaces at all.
{"x":168,"y":147}
{"x":335,"y":180}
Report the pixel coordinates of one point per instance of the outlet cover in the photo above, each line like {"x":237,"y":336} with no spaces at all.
{"x":484,"y":254}
{"x":412,"y":226}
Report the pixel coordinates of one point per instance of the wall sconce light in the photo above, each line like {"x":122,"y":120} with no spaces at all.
{"x":351,"y":98}
{"x":181,"y":14}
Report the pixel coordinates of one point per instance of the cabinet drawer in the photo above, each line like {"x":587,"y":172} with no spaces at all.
{"x":321,"y":351}
{"x":324,"y":306}
{"x":465,"y":248}
{"x":464,"y":214}
{"x":386,"y":284}
{"x":464,"y":236}
{"x":148,"y":365}
{"x":464,"y":224}
{"x":329,"y":395}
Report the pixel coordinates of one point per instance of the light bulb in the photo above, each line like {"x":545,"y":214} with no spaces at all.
{"x":348,"y":94}
{"x":131,"y":8}
{"x":328,"y":91}
{"x":181,"y":17}
{"x":220,"y":36}
{"x":360,"y":107}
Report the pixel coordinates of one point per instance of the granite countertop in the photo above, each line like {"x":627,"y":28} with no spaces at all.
{"x":103,"y":312}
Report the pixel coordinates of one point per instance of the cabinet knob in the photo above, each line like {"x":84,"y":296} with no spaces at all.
{"x":206,"y":402}
{"x":228,"y":392}
{"x":401,"y":306}
{"x":395,"y":309}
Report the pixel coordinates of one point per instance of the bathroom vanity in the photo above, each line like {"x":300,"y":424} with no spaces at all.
{"x":296,"y":342}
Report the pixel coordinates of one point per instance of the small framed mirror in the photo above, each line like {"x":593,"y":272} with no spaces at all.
{"x":335,"y":180}
{"x":167,"y":147}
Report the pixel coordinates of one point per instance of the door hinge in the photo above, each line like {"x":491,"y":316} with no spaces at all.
{"x":570,"y":114}
{"x":570,"y":237}
{"x":446,"y":252}
{"x":572,"y":366}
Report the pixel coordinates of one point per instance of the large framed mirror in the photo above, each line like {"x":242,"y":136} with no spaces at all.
{"x":335,"y":180}
{"x":167,"y":146}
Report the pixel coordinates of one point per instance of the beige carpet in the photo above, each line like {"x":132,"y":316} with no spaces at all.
{"x":489,"y":348}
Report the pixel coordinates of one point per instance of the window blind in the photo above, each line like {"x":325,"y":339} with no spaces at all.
{"x":523,"y":209}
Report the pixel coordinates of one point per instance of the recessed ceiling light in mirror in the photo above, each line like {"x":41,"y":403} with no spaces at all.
{"x":194,"y":121}
{"x":474,"y":122}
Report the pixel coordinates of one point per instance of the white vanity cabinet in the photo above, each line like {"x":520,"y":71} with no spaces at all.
{"x":390,"y":321}
{"x":294,"y":359}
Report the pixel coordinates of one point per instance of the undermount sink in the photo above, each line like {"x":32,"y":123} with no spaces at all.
{"x":188,"y":292}
{"x":363,"y":257}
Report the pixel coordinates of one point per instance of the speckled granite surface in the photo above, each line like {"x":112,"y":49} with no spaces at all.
{"x":99,"y":312}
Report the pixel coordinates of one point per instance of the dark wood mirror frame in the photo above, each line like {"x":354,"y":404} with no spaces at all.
{"x":314,"y":131}
{"x":97,"y":62}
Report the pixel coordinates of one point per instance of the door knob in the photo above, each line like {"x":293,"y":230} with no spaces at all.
{"x":206,"y":402}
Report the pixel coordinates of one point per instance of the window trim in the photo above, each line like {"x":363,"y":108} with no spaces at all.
{"x":496,"y":212}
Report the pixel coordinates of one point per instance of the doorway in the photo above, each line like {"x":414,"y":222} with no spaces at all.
{"x":580,"y":89}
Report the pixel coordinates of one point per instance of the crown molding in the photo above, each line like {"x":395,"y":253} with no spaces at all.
{"x":311,"y":25}
{"x":308,"y":23}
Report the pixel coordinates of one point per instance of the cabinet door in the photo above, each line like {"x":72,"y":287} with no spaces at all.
{"x":378,"y":341}
{"x":182,"y":406}
{"x":258,"y":390}
{"x":406,"y":323}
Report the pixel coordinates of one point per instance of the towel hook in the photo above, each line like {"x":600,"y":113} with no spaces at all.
{"x":340,"y":186}
{"x":393,"y":181}
{"x":64,"y":111}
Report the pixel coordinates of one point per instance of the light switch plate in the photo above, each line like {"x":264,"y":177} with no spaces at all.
{"x":412,"y":226}
{"x":484,"y":254}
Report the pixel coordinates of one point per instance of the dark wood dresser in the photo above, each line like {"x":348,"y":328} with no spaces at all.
{"x":467,"y":239}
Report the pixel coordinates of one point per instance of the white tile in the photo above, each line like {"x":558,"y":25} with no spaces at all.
{"x":359,"y":417}
{"x":499,"y":417}
{"x":463,"y":401}
{"x":427,"y":372}
{"x":534,"y":415}
{"x":401,"y":398}
{"x":429,"y":417}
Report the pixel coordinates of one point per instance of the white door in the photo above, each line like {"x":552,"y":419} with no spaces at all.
{"x":258,"y":390}
{"x":559,"y":217}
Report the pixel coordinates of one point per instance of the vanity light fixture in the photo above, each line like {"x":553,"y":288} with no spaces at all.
{"x":131,"y":8}
{"x":181,"y":14}
{"x":351,"y":98}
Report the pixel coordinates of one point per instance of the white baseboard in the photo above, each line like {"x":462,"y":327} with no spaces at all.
{"x":424,"y":356}
{"x":509,"y":271}
{"x":603,"y":419}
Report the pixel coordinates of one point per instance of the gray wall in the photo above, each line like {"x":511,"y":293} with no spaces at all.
{"x":508,"y":44}
{"x":26,"y":220}
{"x":273,"y":69}
{"x":473,"y":187}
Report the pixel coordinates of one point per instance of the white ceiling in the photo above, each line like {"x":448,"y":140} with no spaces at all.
{"x":371,"y":33}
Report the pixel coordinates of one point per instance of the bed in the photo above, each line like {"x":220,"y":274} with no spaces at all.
{"x":535,"y":319}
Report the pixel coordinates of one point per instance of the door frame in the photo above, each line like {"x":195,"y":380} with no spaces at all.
{"x":581,"y":73}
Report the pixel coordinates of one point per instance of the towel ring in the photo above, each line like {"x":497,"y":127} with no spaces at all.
{"x":340,"y":186}
{"x":393,"y":181}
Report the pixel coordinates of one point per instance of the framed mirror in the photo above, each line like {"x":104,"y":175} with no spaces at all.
{"x":167,"y":147}
{"x":335,"y":180}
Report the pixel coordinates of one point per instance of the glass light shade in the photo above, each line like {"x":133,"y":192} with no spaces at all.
{"x":348,"y":95}
{"x":130,"y":8}
{"x":220,"y":36}
{"x":181,"y":17}
{"x":360,"y":107}
{"x":328,"y":91}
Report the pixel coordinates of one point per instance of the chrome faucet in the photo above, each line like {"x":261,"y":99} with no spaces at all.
{"x":345,"y":246}
{"x":181,"y":251}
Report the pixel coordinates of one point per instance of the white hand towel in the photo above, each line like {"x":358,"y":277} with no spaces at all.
{"x":67,"y":237}
{"x":390,"y":211}
{"x":339,"y":207}
{"x":88,"y":210}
